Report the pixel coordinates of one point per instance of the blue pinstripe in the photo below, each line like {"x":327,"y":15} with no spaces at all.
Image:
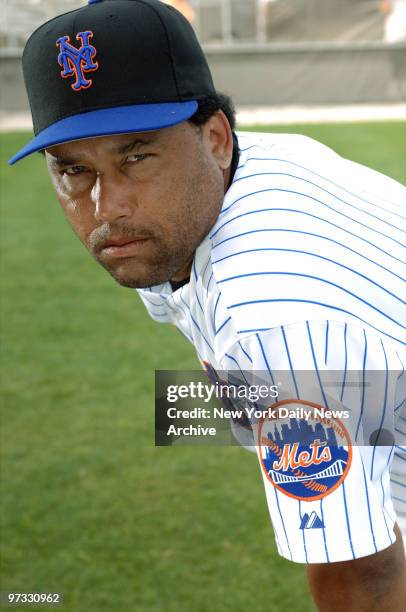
{"x":315,"y":364}
{"x":321,"y":237}
{"x":198,"y":301}
{"x":215,"y":310}
{"x":234,"y":360}
{"x":206,"y":267}
{"x":197,"y":325}
{"x":363,"y":385}
{"x":303,"y":530}
{"x":185,"y":314}
{"x":383,"y":493}
{"x":287,"y":161}
{"x":247,"y":275}
{"x":300,"y":178}
{"x":194,"y":268}
{"x":290,"y":362}
{"x":383,"y":410}
{"x":246,"y":331}
{"x":268,"y":148}
{"x":345,"y":363}
{"x":265,"y":359}
{"x":324,"y":532}
{"x":368,"y":505}
{"x":208,"y":284}
{"x":283,"y":522}
{"x":157,"y":314}
{"x":244,"y":351}
{"x":401,"y":363}
{"x":217,"y":331}
{"x":347,"y":520}
{"x":306,"y":195}
{"x":153,"y":303}
{"x":322,"y":280}
{"x":302,"y":212}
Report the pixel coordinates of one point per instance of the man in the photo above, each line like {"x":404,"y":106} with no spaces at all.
{"x":269,"y":252}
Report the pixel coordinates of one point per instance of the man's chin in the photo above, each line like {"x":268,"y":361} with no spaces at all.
{"x":133,"y":283}
{"x":133,"y":280}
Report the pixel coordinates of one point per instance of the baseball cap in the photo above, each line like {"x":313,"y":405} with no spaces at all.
{"x":112,"y":67}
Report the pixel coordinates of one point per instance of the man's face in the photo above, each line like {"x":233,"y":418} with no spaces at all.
{"x":141,"y":203}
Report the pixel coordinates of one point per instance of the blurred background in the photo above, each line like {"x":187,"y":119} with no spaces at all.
{"x":88,"y":505}
{"x":291,"y":51}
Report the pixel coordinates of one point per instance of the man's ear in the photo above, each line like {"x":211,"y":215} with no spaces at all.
{"x":218,"y":138}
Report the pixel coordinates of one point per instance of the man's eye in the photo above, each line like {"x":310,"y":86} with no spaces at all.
{"x":74,"y":170}
{"x":137,"y":157}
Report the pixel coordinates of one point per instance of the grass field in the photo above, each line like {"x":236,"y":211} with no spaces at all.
{"x":89,"y":507}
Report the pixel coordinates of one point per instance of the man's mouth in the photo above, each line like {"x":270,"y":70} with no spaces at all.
{"x":124,"y":247}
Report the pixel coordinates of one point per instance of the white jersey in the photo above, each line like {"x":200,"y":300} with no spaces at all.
{"x":304,"y":270}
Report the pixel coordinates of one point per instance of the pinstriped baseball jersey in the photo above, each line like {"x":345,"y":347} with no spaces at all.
{"x":304,"y":271}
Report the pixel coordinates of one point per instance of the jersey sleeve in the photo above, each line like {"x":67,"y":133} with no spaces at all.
{"x":326,"y":444}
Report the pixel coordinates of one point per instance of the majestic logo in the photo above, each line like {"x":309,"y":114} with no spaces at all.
{"x":76,"y":62}
{"x":311,"y":521}
{"x":305,"y":458}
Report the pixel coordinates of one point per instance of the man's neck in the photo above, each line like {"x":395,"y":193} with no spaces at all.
{"x":184,"y":273}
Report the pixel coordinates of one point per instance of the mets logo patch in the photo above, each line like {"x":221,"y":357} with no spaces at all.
{"x":77,"y":61}
{"x":305,"y":457}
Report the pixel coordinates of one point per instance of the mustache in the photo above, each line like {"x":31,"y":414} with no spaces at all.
{"x":102,"y":235}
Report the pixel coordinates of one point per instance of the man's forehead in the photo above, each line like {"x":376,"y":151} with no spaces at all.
{"x":114,"y":143}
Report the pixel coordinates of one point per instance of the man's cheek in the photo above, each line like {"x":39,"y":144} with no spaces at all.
{"x":71,"y":208}
{"x":77,"y":219}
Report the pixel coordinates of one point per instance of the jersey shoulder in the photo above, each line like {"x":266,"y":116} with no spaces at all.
{"x":296,"y":155}
{"x":305,"y":234}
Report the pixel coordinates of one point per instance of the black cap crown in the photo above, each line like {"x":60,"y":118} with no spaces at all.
{"x":109,"y":54}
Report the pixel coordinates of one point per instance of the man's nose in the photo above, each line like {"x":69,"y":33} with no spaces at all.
{"x":111,"y":198}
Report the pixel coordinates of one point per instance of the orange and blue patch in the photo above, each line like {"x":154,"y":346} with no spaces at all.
{"x":304,"y":458}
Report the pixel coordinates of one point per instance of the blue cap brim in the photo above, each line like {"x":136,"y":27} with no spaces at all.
{"x":109,"y":121}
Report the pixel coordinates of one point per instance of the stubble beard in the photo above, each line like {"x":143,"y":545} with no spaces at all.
{"x":132,"y":274}
{"x":175,"y":247}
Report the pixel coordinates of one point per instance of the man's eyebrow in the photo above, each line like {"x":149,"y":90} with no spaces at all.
{"x":60,"y":160}
{"x":68,"y":160}
{"x":134,"y":144}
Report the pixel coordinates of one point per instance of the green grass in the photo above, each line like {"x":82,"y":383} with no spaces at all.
{"x":89,"y":507}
